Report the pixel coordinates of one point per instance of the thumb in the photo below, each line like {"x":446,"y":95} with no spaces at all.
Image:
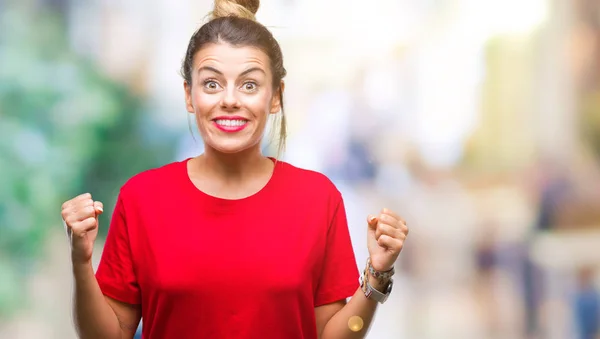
{"x":372,"y":221}
{"x":99,"y":208}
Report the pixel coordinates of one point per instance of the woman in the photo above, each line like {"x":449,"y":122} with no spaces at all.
{"x":229,"y":244}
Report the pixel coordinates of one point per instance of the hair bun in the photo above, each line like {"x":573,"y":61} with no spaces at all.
{"x":239,"y":8}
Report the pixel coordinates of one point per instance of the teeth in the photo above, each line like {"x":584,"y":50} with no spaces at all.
{"x":231,"y":123}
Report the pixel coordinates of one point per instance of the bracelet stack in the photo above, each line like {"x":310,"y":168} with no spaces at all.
{"x":381,"y":276}
{"x":384,"y":278}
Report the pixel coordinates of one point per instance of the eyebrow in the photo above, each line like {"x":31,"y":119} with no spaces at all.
{"x":214,"y":70}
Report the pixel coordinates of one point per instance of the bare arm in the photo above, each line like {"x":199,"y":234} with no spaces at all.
{"x":97,"y":316}
{"x":332,"y":319}
{"x":385,"y":239}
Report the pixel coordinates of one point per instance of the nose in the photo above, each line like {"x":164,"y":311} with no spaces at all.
{"x":230,"y":100}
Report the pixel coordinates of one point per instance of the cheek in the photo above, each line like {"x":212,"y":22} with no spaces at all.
{"x":260,"y":103}
{"x":203,"y":102}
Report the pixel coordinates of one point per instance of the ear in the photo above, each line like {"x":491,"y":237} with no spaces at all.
{"x":276,"y":101}
{"x":188,"y":97}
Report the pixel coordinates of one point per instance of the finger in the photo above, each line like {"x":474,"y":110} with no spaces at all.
{"x":78,"y":205}
{"x":404,"y":228}
{"x":372,"y":221}
{"x":81,"y":197}
{"x":399,"y":224}
{"x":383,"y":228}
{"x":391,"y":231}
{"x":81,"y":203}
{"x":99,"y":207}
{"x":74,"y":205}
{"x":75,"y":201}
{"x":387,"y":211}
{"x":390,"y":243}
{"x":84,"y":226}
{"x":74,"y":215}
{"x":86,"y":211}
{"x":388,"y":219}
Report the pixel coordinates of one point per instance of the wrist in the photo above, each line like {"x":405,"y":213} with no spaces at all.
{"x":382,"y":269}
{"x":383,"y":276}
{"x":379,"y":266}
{"x":378,"y":284}
{"x":375,"y":284}
{"x":80,"y":265}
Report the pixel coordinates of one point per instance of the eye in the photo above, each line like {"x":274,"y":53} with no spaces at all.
{"x":211,"y":85}
{"x":250,"y":86}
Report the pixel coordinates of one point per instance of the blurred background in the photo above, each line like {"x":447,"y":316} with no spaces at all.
{"x":477,"y":120}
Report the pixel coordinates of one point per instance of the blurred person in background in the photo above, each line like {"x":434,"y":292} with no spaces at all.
{"x":587,"y":305}
{"x":229,"y":244}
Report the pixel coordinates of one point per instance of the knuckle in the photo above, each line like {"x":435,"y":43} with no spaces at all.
{"x":70,"y":219}
{"x":77,"y":231}
{"x":82,"y":225}
{"x":387,"y":228}
{"x":76,"y":227}
{"x":88,"y":209}
{"x":90,"y":222}
{"x":398,"y":234}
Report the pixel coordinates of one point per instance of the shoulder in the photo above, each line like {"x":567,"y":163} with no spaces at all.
{"x":308,"y":181}
{"x":153,"y":179}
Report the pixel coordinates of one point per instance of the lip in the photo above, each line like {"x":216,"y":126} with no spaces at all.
{"x":230,"y":129}
{"x":230,"y":117}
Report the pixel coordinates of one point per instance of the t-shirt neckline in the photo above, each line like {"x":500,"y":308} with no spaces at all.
{"x":198,"y":192}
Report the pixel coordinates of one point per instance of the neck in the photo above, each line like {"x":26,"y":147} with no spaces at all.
{"x":232,"y":167}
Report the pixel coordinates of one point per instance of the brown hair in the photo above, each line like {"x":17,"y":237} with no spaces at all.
{"x":234,"y":22}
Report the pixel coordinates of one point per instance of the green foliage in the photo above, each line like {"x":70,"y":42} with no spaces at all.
{"x":65,"y":128}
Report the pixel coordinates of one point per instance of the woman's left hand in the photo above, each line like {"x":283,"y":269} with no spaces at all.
{"x":385,"y":239}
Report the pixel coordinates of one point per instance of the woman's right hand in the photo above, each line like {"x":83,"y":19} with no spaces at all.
{"x":80,"y":215}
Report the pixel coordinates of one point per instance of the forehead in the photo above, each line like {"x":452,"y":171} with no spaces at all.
{"x":227,"y":57}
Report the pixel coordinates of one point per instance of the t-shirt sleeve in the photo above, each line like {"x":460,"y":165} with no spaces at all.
{"x":339,"y":276}
{"x":115,"y":273}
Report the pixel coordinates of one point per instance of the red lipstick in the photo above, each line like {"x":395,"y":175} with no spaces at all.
{"x":230,"y":124}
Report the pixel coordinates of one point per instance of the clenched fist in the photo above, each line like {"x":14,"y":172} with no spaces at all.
{"x":385,"y":239}
{"x":80,"y":215}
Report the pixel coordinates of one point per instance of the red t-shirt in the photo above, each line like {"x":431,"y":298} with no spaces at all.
{"x":205,"y":267}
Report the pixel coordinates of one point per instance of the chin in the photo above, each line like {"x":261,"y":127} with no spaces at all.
{"x":232,"y":147}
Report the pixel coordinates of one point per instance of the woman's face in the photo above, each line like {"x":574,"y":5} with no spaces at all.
{"x":231,"y":95}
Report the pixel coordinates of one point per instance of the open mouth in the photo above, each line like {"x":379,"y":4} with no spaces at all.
{"x":230,"y":125}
